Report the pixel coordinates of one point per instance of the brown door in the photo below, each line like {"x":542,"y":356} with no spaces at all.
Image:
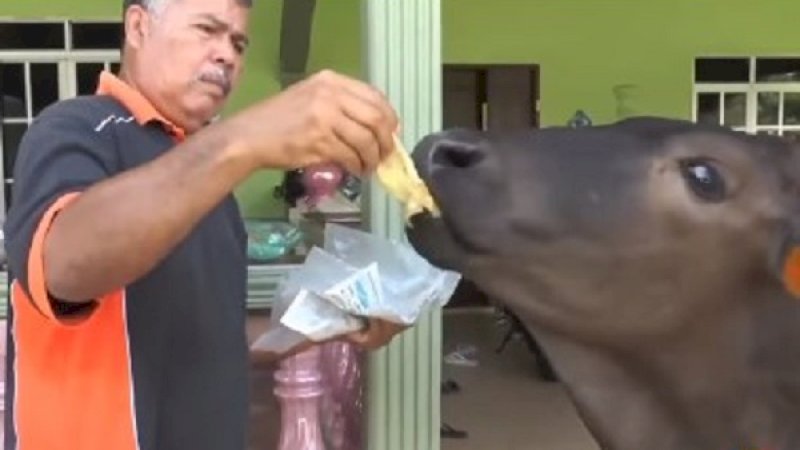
{"x":461,"y":102}
{"x":494,"y":97}
{"x":510,"y":98}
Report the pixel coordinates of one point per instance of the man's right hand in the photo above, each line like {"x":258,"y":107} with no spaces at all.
{"x":326,"y":118}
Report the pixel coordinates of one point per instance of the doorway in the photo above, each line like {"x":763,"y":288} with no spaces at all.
{"x":490,"y":97}
{"x":490,"y":358}
{"x":501,"y":97}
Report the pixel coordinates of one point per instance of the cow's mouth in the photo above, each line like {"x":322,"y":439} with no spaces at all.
{"x":444,"y":222}
{"x":448,"y":238}
{"x":437,"y":242}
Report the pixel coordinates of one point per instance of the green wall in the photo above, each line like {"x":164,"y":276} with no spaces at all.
{"x":586,"y":48}
{"x":59,"y":9}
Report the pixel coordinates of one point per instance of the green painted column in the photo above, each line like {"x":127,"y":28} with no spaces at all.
{"x":403,"y":58}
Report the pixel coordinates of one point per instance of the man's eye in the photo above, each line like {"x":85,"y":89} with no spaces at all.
{"x":207,"y":29}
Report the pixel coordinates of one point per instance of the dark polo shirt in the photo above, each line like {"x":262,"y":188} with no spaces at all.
{"x":159,"y":364}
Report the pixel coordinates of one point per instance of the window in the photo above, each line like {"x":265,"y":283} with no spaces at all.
{"x":41,"y":63}
{"x":757,"y":95}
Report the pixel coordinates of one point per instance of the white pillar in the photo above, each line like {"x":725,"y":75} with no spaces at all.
{"x":403,"y":58}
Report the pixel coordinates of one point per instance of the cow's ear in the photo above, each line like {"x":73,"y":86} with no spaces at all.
{"x":789,"y":250}
{"x":788,"y":259}
{"x":791,"y":271}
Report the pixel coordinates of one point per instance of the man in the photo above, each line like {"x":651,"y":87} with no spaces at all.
{"x":127,"y":248}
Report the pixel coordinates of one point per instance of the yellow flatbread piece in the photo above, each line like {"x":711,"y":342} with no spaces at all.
{"x":399,"y":177}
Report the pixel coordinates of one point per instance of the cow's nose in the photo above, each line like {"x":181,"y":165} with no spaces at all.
{"x":448,"y":153}
{"x":454,"y":148}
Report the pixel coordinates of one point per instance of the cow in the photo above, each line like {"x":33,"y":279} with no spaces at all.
{"x":656,"y":260}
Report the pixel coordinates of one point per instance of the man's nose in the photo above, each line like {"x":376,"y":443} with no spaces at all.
{"x":225,"y":52}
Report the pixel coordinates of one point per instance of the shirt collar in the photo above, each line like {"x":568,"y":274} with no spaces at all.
{"x":141,"y":108}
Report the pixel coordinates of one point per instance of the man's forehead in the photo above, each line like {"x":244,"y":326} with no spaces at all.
{"x":232,"y":12}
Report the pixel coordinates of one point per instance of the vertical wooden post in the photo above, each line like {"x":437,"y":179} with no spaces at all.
{"x":403,"y":58}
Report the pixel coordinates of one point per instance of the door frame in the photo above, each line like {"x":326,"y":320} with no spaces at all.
{"x":535,"y":69}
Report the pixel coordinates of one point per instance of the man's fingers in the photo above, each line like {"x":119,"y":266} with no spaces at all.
{"x":381,"y":119}
{"x":336,"y":150}
{"x":303,"y":346}
{"x":358,"y":337}
{"x":374,"y":110}
{"x":372,"y":119}
{"x":378,"y":334}
{"x":369,"y":94}
{"x":360,"y":139}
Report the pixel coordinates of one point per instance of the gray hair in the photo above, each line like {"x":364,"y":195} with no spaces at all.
{"x":157,"y":6}
{"x":153,"y":6}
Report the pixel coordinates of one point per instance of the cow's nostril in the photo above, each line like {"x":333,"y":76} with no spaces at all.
{"x":451,"y":155}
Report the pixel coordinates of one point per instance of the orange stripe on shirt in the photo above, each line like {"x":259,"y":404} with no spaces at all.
{"x":74,"y":387}
{"x":36,"y":282}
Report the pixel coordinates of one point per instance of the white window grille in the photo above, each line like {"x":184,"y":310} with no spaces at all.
{"x":42,"y":62}
{"x":757,"y":95}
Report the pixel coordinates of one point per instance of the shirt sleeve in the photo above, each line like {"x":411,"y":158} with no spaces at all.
{"x":60,"y":156}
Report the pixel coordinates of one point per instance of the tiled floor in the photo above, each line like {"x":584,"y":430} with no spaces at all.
{"x":502,"y":404}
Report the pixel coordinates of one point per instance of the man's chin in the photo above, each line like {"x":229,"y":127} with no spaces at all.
{"x":204,"y":112}
{"x":209,"y":97}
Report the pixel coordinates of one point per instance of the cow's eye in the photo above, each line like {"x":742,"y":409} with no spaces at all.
{"x":704,"y":179}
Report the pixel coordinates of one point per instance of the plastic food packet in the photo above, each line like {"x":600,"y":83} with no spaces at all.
{"x":355,"y":276}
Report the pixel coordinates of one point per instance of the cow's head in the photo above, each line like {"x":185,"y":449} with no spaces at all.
{"x":626,"y":238}
{"x":595,"y":229}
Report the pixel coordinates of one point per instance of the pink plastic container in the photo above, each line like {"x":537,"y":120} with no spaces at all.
{"x":2,"y":381}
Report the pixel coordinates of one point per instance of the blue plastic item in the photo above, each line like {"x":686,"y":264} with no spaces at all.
{"x":270,"y":240}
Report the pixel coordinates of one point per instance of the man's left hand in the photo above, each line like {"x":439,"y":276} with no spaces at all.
{"x":377,"y":334}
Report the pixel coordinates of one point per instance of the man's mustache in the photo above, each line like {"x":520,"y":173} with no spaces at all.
{"x":219,"y":76}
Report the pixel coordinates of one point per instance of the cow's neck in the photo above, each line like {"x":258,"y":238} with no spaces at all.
{"x":730,"y":381}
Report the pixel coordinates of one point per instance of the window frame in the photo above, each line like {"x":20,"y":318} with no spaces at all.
{"x":752,"y":88}
{"x":67,"y":61}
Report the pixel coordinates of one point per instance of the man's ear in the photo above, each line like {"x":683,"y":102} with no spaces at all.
{"x":137,"y":25}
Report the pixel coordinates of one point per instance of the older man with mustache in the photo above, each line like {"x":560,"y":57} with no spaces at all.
{"x":126,"y":246}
